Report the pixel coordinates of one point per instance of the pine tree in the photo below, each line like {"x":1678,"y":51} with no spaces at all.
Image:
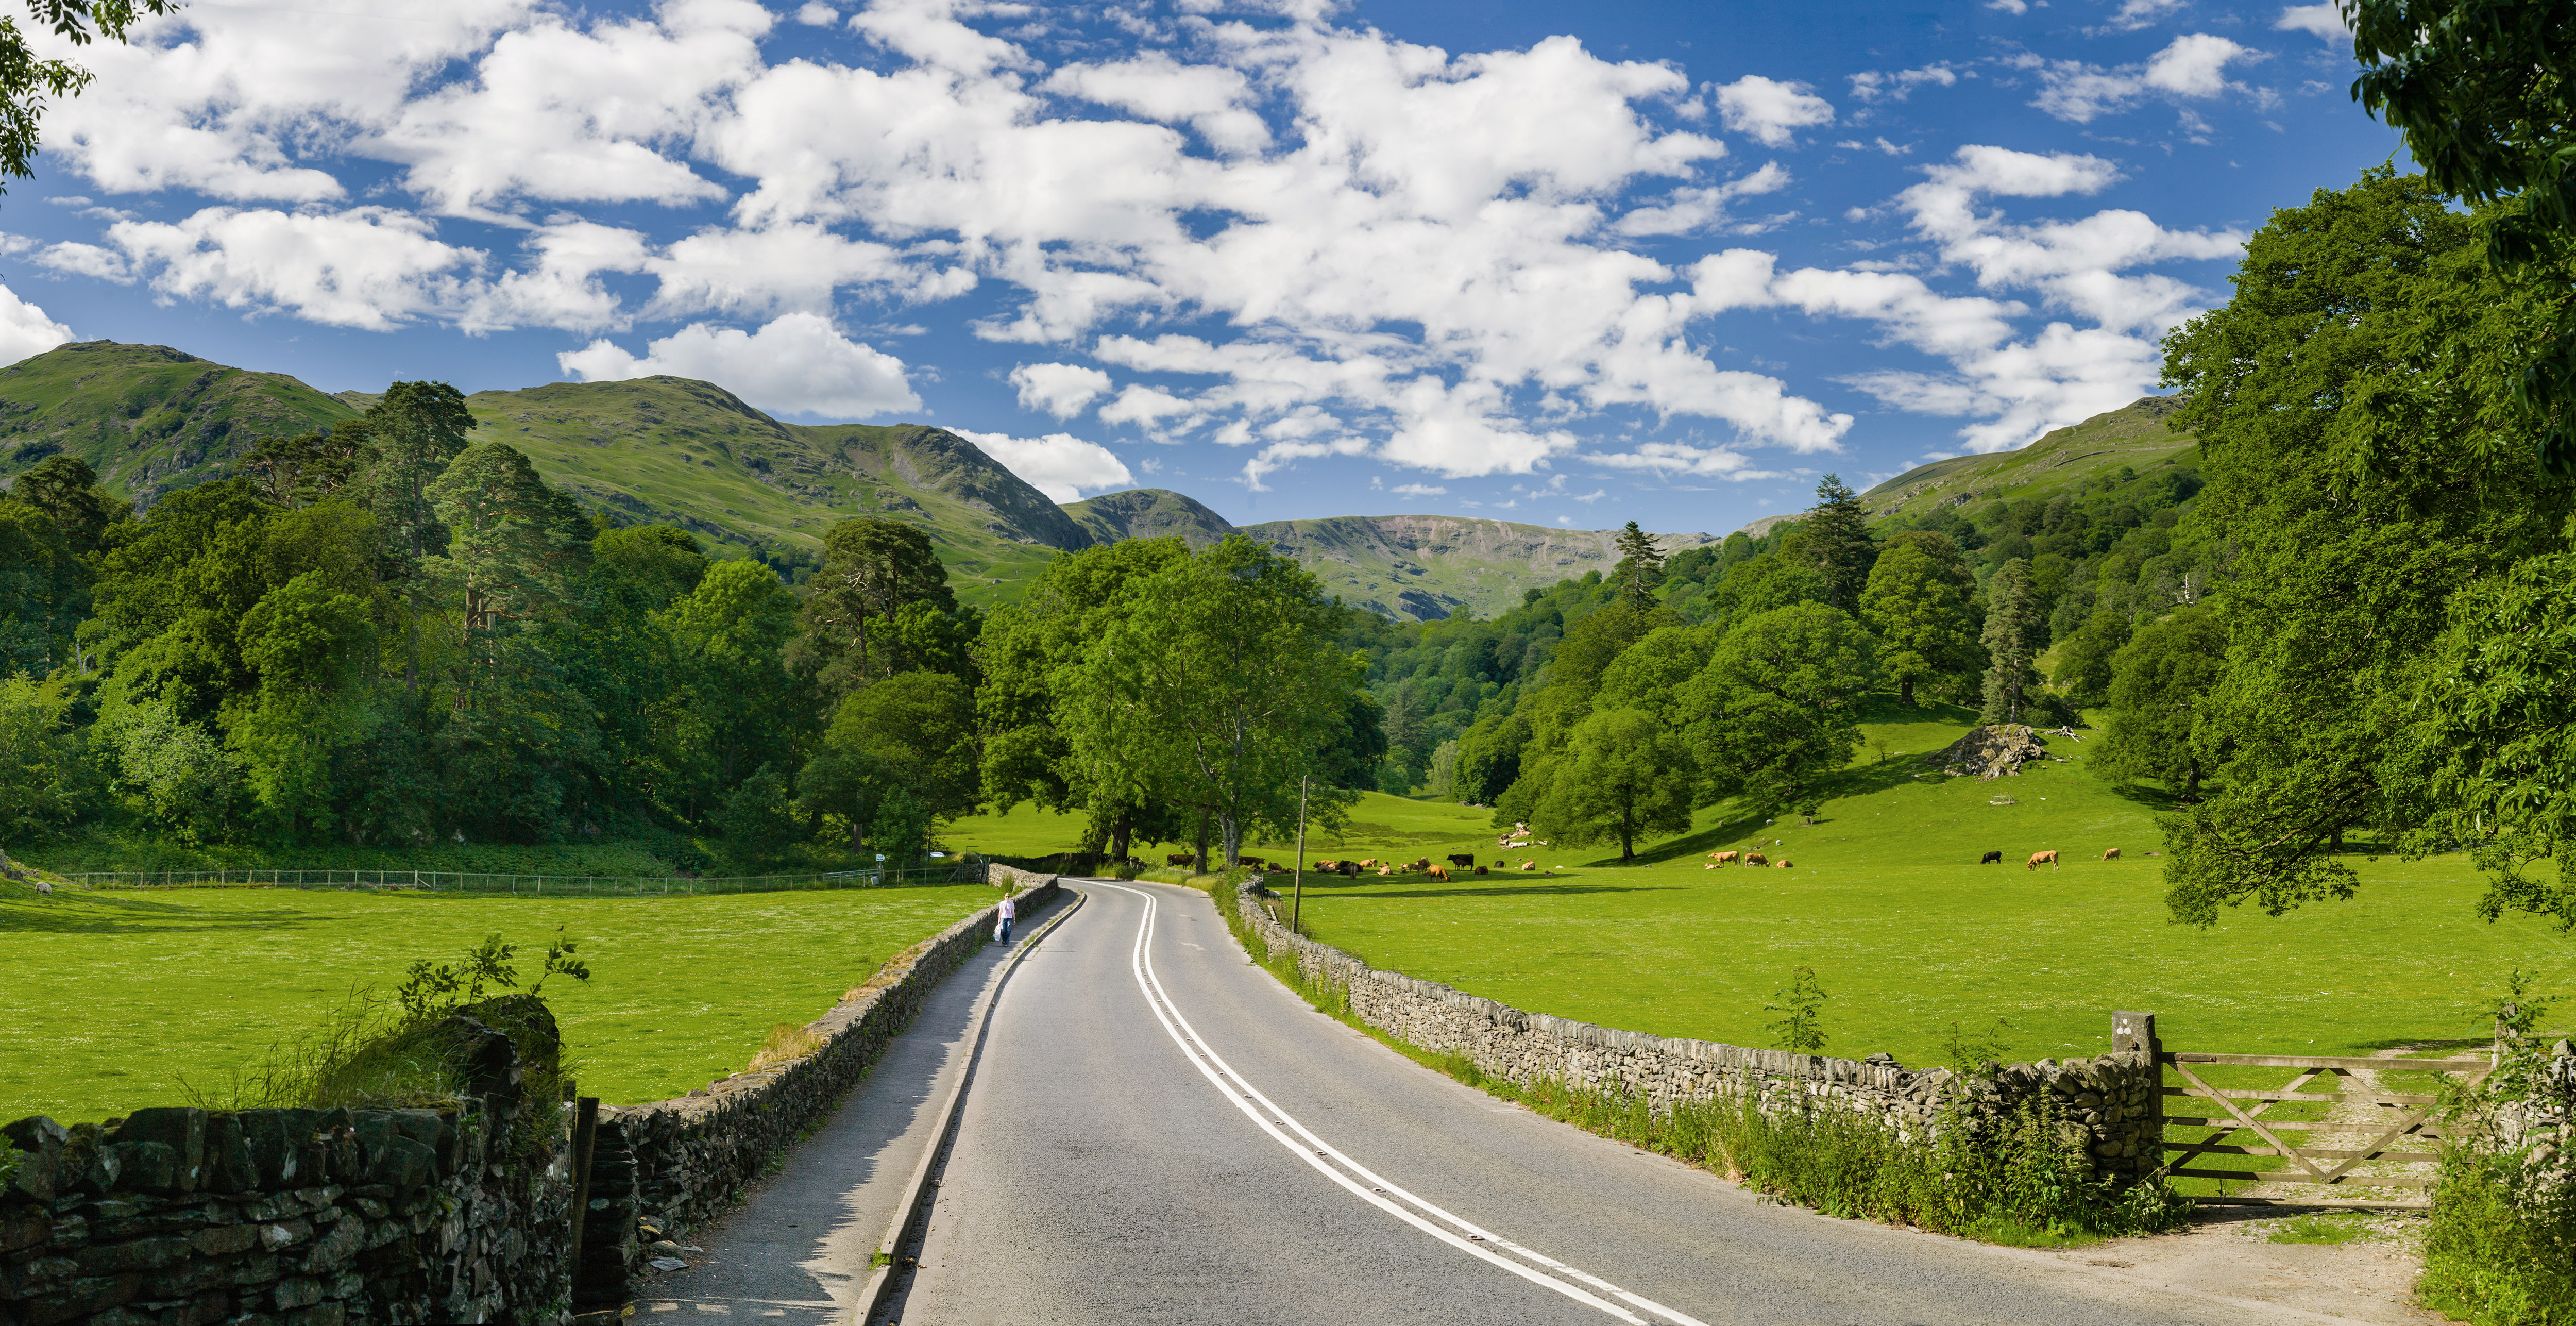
{"x":1641,"y":567}
{"x":1837,"y":543}
{"x":2015,"y":632}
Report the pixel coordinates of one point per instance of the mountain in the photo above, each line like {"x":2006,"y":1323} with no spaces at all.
{"x":2134,"y":435}
{"x":1148,"y":513}
{"x":152,"y":420}
{"x":1428,"y":567}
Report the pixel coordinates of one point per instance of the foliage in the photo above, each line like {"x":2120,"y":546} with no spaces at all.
{"x":757,"y":822}
{"x":1800,"y":1027}
{"x":26,"y":80}
{"x":2016,"y":630}
{"x":1641,"y":567}
{"x":435,"y":989}
{"x":2485,"y":91}
{"x":1918,"y":601}
{"x":909,"y":736}
{"x":45,"y":782}
{"x":1623,"y":775}
{"x":1835,"y":540}
{"x":1776,"y":701}
{"x":2157,"y":681}
{"x":855,"y":629}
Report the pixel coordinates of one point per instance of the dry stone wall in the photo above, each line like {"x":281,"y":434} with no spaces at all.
{"x":685,"y":1161}
{"x":2113,"y":1097}
{"x":190,"y":1217}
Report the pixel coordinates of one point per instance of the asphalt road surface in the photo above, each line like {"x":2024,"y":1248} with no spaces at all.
{"x":1158,"y":1131}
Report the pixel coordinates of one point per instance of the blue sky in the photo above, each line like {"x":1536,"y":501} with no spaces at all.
{"x":1561,"y":264}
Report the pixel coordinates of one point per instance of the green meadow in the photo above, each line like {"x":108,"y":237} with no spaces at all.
{"x":115,"y":1000}
{"x":1908,"y":934}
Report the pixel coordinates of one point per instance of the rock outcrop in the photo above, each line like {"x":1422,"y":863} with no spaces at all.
{"x":1997,"y":750}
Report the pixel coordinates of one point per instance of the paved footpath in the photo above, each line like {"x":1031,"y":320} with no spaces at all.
{"x":796,"y":1251}
{"x":1158,"y":1131}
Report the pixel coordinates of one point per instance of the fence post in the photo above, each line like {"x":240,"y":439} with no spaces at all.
{"x":2137,"y":1031}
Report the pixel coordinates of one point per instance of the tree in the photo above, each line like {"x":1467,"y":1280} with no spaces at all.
{"x":1222,"y":674}
{"x":1837,"y":544}
{"x":302,"y":469}
{"x":411,"y":433}
{"x":1764,"y":583}
{"x":26,"y":81}
{"x":1776,"y":703}
{"x":2365,"y":464}
{"x":911,"y":734}
{"x":1918,"y":604}
{"x":872,"y":570}
{"x":1625,"y":775}
{"x":741,"y":709}
{"x":2158,"y":681}
{"x":2084,"y":663}
{"x":66,"y":490}
{"x":1653,"y":675}
{"x":517,"y":545}
{"x":757,"y":822}
{"x":2485,"y":92}
{"x":1489,"y":757}
{"x":1640,"y":569}
{"x":2016,"y":630}
{"x":44,"y":777}
{"x":314,"y":651}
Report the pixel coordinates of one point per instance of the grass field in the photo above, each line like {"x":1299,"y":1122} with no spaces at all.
{"x":1908,"y":934}
{"x":115,"y":1000}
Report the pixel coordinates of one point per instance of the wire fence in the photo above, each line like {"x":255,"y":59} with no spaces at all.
{"x":542,"y":886}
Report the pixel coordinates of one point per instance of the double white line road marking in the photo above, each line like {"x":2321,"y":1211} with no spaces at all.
{"x":1535,"y":1267}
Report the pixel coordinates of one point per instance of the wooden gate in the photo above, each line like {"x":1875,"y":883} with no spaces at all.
{"x":2394,"y":1128}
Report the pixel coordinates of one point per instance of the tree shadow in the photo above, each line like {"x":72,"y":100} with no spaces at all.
{"x":96,"y":915}
{"x":1515,"y":890}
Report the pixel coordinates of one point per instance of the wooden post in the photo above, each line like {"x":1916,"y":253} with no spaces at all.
{"x":585,"y":1135}
{"x":1297,"y":868}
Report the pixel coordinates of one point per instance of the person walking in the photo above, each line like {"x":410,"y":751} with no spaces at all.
{"x":1010,"y":911}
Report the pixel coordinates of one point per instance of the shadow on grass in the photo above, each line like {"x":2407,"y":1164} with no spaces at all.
{"x":93,"y":915}
{"x":1505,"y":891}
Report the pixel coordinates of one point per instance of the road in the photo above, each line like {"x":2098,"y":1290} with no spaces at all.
{"x":1158,"y":1131}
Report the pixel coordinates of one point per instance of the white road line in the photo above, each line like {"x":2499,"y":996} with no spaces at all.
{"x":1271,"y":1119}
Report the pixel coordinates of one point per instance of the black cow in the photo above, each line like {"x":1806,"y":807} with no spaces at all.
{"x":1462,"y":859}
{"x":1991,"y":859}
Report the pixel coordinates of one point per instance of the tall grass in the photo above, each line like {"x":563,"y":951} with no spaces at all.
{"x":2501,"y":1247}
{"x":2022,"y":1178}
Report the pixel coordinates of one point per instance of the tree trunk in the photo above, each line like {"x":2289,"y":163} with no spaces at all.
{"x":1118,"y":827}
{"x":1231,"y":834}
{"x":1905,"y":691}
{"x":1202,"y":841}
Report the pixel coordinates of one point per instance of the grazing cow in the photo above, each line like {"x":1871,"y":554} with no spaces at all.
{"x":1991,"y":859}
{"x":1253,"y":861}
{"x":1327,"y":867}
{"x":2111,"y":855}
{"x":1723,"y":858}
{"x":1756,"y":859}
{"x":1438,"y":872}
{"x":1181,"y":859}
{"x":1462,"y":858}
{"x":1351,"y":869}
{"x":2036,"y":857}
{"x":1784,"y":863}
{"x":1422,"y":864}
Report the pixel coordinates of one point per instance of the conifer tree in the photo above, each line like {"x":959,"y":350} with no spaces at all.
{"x":1640,"y":569}
{"x":2016,"y":629}
{"x":1837,"y":543}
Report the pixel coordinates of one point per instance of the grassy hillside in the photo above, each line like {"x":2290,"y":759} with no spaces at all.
{"x":2134,"y":435}
{"x":148,"y":418}
{"x":1429,"y":567}
{"x":1148,"y":513}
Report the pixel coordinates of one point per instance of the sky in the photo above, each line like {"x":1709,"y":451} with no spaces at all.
{"x":1558,"y":264}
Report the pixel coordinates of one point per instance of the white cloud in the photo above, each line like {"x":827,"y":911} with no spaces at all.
{"x":25,"y":330}
{"x":1419,"y":490}
{"x":2009,"y":6}
{"x":816,"y":14}
{"x":2319,"y":20}
{"x":368,"y":267}
{"x":798,"y":364}
{"x":1875,"y":85}
{"x":1059,"y":465}
{"x":1279,"y":455}
{"x":1594,"y":496}
{"x":1768,"y":111}
{"x":2192,"y":66}
{"x":1061,"y":390}
{"x":2135,"y":14}
{"x":1689,"y":210}
{"x":1210,"y":98}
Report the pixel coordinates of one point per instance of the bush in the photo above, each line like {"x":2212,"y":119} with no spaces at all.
{"x":2489,"y":1260}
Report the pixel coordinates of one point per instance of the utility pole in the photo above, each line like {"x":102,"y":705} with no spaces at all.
{"x":1297,"y":868}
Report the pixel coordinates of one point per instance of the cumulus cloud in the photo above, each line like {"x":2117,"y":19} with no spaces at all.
{"x":1769,"y":112}
{"x":1419,"y":490}
{"x":2135,"y":14}
{"x":798,"y":364}
{"x":25,"y":330}
{"x":2323,"y":20}
{"x":1876,"y":85}
{"x":1689,"y":210}
{"x":1681,"y":458}
{"x":1062,"y":390}
{"x":2193,"y":66}
{"x":369,"y":267}
{"x":1059,"y":465}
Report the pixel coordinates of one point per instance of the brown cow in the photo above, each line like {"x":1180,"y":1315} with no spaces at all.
{"x":1784,"y":863}
{"x":1181,"y":859}
{"x":1438,"y":872}
{"x":1756,"y":859}
{"x":1723,"y":858}
{"x":1529,"y":865}
{"x":1368,"y":863}
{"x":2036,"y":857}
{"x":2111,"y":855}
{"x":1480,"y":870}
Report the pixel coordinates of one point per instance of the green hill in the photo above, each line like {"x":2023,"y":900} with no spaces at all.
{"x":1429,"y":567}
{"x":1148,"y":513}
{"x":2134,"y":435}
{"x":148,"y":418}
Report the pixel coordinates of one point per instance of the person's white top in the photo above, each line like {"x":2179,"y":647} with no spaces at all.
{"x":1010,"y":910}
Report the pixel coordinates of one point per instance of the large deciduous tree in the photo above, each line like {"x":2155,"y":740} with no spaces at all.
{"x":1919,"y":604}
{"x":1625,"y":775}
{"x":1777,"y":704}
{"x":1222,"y":673}
{"x":2158,"y":680}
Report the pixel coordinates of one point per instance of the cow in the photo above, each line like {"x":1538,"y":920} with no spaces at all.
{"x":1991,"y":859}
{"x":1384,"y":871}
{"x":1462,"y":859}
{"x":1327,"y":867}
{"x":1723,"y":858}
{"x":1784,"y":863}
{"x":1756,"y":859}
{"x":2112,"y":854}
{"x":2036,"y":857}
{"x":1480,"y":870}
{"x":1351,"y":869}
{"x":1181,"y":859}
{"x":1529,"y":865}
{"x":1422,"y":864}
{"x":1438,"y":872}
{"x":1253,"y":861}
{"x":1368,"y":863}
